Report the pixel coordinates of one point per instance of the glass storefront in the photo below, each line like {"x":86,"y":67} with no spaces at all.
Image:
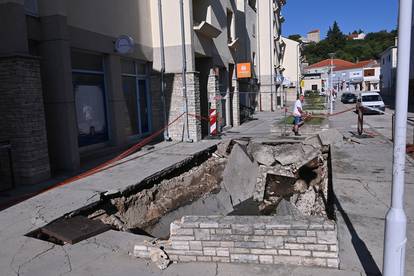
{"x":136,"y":95}
{"x":90,"y":98}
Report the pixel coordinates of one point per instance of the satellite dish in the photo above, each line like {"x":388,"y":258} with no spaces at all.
{"x":124,"y":44}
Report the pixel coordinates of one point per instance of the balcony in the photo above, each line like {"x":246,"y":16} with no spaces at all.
{"x":206,"y":29}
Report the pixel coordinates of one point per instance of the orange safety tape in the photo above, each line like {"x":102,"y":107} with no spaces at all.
{"x":104,"y":166}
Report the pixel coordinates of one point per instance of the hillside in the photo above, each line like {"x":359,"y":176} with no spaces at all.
{"x":352,"y":50}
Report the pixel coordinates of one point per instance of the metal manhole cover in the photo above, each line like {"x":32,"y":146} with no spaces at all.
{"x":75,"y":229}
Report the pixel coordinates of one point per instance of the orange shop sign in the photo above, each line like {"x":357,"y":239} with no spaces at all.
{"x":244,"y":70}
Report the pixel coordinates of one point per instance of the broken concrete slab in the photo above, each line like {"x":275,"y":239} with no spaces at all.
{"x":225,"y":147}
{"x":288,"y":154}
{"x":262,"y":154}
{"x":313,"y":141}
{"x":240,"y":175}
{"x":285,"y":208}
{"x":331,"y":137}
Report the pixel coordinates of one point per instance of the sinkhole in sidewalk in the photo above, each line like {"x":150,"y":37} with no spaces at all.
{"x":241,"y":178}
{"x":245,"y":177}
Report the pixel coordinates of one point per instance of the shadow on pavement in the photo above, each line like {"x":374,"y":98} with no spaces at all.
{"x":367,"y":261}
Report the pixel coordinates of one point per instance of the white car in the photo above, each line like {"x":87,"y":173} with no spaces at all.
{"x":371,"y":103}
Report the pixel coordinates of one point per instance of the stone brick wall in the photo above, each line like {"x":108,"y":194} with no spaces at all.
{"x":22,"y":119}
{"x":310,"y":241}
{"x":174,"y":104}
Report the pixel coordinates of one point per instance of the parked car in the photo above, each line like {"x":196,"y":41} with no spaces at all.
{"x":371,"y":103}
{"x":348,"y":98}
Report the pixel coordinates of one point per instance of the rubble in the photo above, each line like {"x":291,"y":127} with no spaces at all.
{"x":159,"y":258}
{"x":239,"y":176}
{"x":276,"y":177}
{"x":331,"y":137}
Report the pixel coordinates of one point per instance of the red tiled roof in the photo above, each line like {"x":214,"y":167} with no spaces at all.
{"x":314,"y":31}
{"x":360,"y":64}
{"x":327,"y":63}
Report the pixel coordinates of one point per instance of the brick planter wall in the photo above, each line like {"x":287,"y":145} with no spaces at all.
{"x":310,"y":241}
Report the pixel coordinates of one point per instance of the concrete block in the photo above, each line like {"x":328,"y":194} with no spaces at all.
{"x":274,"y":242}
{"x":306,"y":239}
{"x":318,"y":247}
{"x":195,"y":245}
{"x":283,"y":252}
{"x":227,"y":244}
{"x":240,"y":175}
{"x":301,"y":233}
{"x":202,"y":234}
{"x":280,"y":232}
{"x":244,"y":258}
{"x":209,"y":225}
{"x":333,"y":248}
{"x":265,"y":259}
{"x":239,"y":250}
{"x":209,"y":251}
{"x":327,"y":237}
{"x":303,"y":253}
{"x":211,"y":243}
{"x":187,"y":258}
{"x":221,"y":259}
{"x":242,"y":229}
{"x":263,"y":251}
{"x":223,"y":252}
{"x":249,"y":244}
{"x":322,"y":254}
{"x":333,"y":263}
{"x":180,"y":245}
{"x":294,"y":246}
{"x":203,"y":259}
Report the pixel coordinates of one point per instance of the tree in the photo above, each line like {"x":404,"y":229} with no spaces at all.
{"x":335,"y":36}
{"x":296,"y":37}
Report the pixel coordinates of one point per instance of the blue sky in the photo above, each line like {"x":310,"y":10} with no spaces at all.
{"x":302,"y":16}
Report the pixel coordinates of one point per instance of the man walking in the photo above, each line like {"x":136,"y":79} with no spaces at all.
{"x":298,"y":113}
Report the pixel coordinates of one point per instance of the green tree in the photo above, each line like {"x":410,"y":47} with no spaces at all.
{"x":296,"y":37}
{"x":335,"y":36}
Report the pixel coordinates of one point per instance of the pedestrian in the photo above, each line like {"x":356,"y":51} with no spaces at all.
{"x":298,"y":113}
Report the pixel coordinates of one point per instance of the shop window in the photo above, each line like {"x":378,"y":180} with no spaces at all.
{"x":90,"y":98}
{"x":136,"y":96}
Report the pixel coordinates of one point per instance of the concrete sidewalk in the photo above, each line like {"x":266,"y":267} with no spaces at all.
{"x":362,"y":180}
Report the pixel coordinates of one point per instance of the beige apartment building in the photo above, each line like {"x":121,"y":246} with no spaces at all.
{"x":82,"y":79}
{"x":291,"y":68}
{"x":269,"y":20}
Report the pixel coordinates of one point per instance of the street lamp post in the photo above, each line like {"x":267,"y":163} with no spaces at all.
{"x":332,"y":55}
{"x":396,"y":221}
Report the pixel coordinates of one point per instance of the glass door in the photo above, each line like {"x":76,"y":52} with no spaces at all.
{"x":144,"y":107}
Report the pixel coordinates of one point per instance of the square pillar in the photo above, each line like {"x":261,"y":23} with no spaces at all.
{"x":22,"y":118}
{"x":214,"y":97}
{"x":236,"y":103}
{"x":176,"y":107}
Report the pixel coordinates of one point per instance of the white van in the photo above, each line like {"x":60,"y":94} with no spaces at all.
{"x":371,"y":102}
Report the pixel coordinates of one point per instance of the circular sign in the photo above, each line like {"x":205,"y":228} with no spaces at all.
{"x":124,"y":44}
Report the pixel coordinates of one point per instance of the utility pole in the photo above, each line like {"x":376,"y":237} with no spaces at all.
{"x":332,"y":55}
{"x":396,"y":221}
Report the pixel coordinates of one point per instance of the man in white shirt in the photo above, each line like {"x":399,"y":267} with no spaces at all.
{"x":298,"y":113}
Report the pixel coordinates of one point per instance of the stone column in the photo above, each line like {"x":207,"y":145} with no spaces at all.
{"x":236,"y":102}
{"x":228,"y":108}
{"x":177,"y":107}
{"x":22,"y":118}
{"x":58,"y":94}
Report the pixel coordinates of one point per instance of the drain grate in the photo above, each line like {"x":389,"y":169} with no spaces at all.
{"x":70,"y":230}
